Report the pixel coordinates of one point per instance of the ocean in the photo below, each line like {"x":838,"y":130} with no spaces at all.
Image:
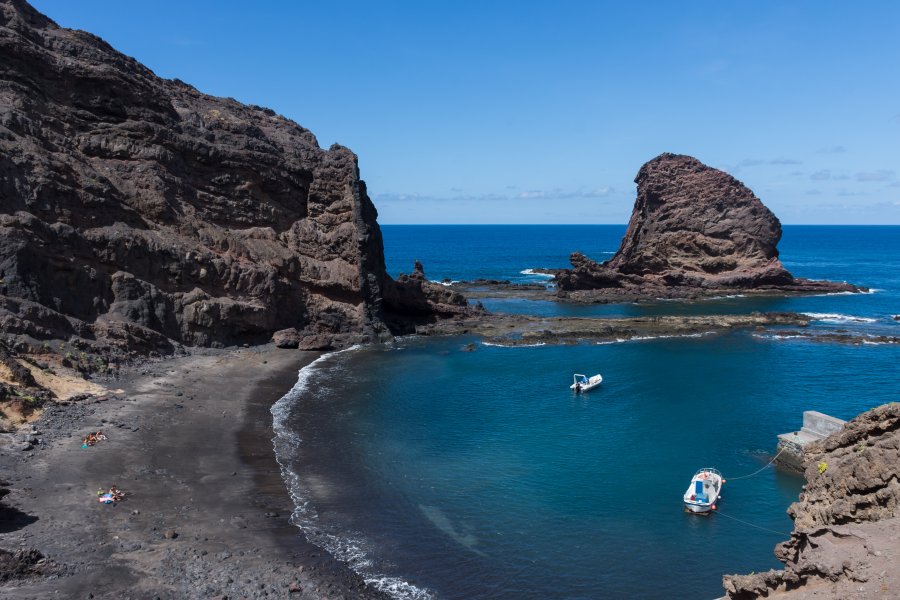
{"x":438,"y":472}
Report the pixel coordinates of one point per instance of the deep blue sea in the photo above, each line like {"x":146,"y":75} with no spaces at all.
{"x":442,"y":473}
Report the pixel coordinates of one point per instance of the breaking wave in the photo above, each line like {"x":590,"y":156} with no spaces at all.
{"x":344,"y":546}
{"x":838,"y":318}
{"x":496,"y":345}
{"x":534,"y":274}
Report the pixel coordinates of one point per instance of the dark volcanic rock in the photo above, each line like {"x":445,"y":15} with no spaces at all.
{"x":138,"y":210}
{"x":23,"y":563}
{"x":416,"y":300}
{"x":694,"y":231}
{"x":847,"y":520}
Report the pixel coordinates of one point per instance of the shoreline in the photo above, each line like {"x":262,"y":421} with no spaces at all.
{"x":206,"y":513}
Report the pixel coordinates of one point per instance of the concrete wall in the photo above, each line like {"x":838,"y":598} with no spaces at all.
{"x":820,"y":424}
{"x":816,"y":426}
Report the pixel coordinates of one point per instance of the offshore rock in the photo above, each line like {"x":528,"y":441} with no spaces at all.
{"x":846,"y":522}
{"x":139,"y":213}
{"x":695,"y":231}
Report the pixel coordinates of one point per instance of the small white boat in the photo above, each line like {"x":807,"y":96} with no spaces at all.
{"x":702,"y":494}
{"x":582,"y":383}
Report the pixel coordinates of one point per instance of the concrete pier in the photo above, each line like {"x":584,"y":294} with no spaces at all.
{"x":816,"y":426}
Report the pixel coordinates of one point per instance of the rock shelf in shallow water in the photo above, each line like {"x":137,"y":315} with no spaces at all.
{"x":517,"y":330}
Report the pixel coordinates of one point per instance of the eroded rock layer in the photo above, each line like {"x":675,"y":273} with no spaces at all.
{"x":138,"y":211}
{"x":846,"y":538}
{"x":694,"y":231}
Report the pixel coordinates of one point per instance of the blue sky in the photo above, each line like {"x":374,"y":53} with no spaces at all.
{"x":542,"y":112}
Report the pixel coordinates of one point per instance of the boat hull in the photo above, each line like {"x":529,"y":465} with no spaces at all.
{"x":586,"y":384}
{"x":704,"y":491}
{"x":697,"y":508}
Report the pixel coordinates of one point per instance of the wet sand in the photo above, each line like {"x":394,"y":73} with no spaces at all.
{"x":206,"y":513}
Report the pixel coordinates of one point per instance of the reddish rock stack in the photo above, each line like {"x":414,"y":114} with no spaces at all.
{"x":694,"y":231}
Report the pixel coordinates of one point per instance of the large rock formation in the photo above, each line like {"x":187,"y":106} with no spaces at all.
{"x":846,"y":538}
{"x":138,"y":211}
{"x":694,"y":231}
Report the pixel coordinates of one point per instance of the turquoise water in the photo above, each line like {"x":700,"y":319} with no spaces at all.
{"x":440,"y":472}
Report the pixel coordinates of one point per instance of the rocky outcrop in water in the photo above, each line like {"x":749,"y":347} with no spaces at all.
{"x":695,"y":231}
{"x":138,"y":213}
{"x":846,"y":538}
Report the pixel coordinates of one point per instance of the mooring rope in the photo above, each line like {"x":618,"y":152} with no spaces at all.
{"x":760,"y":470}
{"x":719,"y":512}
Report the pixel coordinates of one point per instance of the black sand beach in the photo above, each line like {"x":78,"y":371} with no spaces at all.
{"x":206,"y":513}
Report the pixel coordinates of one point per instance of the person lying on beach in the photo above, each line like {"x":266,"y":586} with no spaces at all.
{"x":114,"y":494}
{"x":92,"y":438}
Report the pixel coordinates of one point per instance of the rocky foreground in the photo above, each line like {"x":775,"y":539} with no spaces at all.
{"x":846,"y":538}
{"x":694,"y":232}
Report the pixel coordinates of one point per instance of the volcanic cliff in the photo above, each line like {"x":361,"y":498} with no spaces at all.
{"x":139,"y":213}
{"x":694,"y":231}
{"x":846,"y":538}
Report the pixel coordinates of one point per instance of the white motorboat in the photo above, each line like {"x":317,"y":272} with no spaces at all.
{"x":583,"y":383}
{"x":702,"y":494}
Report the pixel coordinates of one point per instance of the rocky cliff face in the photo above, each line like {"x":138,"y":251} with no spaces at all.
{"x":138,"y":211}
{"x":846,"y":538}
{"x":694,"y":231}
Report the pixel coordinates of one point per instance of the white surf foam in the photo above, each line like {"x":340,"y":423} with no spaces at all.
{"x":644,"y":338}
{"x":531,"y":272}
{"x":444,"y":283}
{"x":778,"y":336}
{"x":838,"y":318}
{"x":871,"y":291}
{"x":876,"y":342}
{"x":538,"y":344}
{"x":349,"y":547}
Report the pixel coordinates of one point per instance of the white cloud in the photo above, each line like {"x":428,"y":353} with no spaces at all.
{"x":879,"y":175}
{"x":832,"y":150}
{"x":758,"y":162}
{"x":537,"y":194}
